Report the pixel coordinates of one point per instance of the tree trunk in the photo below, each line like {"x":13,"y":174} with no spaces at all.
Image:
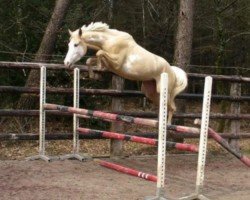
{"x":183,"y":43}
{"x":46,"y":48}
{"x":184,"y":34}
{"x":116,"y":146}
{"x":219,"y":62}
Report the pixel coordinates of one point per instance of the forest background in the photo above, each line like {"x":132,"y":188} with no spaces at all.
{"x":220,"y":45}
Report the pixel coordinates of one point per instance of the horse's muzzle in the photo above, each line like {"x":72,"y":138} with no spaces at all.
{"x":67,"y":64}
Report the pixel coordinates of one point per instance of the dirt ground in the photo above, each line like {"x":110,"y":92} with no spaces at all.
{"x":225,"y":178}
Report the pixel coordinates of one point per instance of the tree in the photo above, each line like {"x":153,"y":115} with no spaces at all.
{"x":46,"y":48}
{"x":184,"y":37}
{"x":184,"y":34}
{"x":116,"y":147}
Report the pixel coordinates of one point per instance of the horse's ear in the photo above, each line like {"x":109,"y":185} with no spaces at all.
{"x":70,"y":32}
{"x":80,"y":32}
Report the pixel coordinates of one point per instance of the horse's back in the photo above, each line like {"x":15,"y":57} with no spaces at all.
{"x":117,"y":33}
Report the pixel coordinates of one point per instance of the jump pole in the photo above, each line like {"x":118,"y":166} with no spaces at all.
{"x":216,"y":136}
{"x":103,"y":115}
{"x":203,"y":143}
{"x":138,"y":139}
{"x":127,"y":170}
{"x":224,"y":143}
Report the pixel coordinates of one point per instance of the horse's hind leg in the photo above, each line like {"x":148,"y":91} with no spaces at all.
{"x":171,"y":108}
{"x":149,"y":89}
{"x":170,"y":114}
{"x":158,"y":84}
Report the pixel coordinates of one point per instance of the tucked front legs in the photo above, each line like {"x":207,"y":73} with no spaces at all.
{"x":95,"y":61}
{"x":112,"y":61}
{"x":90,"y":63}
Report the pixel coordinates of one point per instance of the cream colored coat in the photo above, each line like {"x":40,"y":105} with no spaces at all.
{"x":120,"y":54}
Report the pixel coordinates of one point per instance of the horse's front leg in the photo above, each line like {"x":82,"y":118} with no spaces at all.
{"x":90,"y":62}
{"x":112,"y":61}
{"x":95,"y":61}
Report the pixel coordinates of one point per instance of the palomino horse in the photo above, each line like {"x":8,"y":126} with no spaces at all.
{"x":119,"y":53}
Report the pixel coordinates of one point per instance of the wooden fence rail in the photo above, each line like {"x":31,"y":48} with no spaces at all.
{"x":29,"y":65}
{"x":69,"y":136}
{"x":110,"y":92}
{"x":35,"y":113}
{"x":114,"y":93}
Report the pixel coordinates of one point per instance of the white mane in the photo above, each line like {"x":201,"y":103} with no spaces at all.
{"x":97,"y":26}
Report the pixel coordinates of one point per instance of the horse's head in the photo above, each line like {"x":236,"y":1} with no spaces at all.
{"x":77,"y":48}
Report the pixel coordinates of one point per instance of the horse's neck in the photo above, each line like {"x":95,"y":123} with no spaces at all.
{"x":97,"y":39}
{"x":94,"y":40}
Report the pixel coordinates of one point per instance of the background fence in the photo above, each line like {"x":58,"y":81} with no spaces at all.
{"x":117,"y":92}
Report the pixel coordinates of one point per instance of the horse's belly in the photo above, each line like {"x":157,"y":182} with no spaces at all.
{"x":136,"y":74}
{"x":138,"y":70}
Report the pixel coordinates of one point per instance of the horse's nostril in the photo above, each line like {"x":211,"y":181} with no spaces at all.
{"x":66,"y":63}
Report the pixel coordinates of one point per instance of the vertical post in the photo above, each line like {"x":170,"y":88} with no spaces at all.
{"x":76,"y":143}
{"x":204,"y":134}
{"x":42,"y":111}
{"x":235,"y":91}
{"x":203,"y":142}
{"x":116,"y":146}
{"x":162,"y":137}
{"x":42,"y":121}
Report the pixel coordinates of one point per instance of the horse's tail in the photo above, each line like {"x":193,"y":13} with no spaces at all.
{"x":181,"y":80}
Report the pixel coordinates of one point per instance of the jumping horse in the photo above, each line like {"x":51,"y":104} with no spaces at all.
{"x":119,"y":53}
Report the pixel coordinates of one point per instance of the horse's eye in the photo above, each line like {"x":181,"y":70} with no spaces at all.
{"x":76,"y":45}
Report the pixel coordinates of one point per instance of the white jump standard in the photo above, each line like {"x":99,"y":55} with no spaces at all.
{"x":42,"y":119}
{"x":203,"y":142}
{"x":162,"y":137}
{"x":76,"y":143}
{"x":42,"y":127}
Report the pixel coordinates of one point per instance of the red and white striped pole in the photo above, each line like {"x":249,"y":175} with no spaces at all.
{"x":127,"y":170}
{"x":103,"y":115}
{"x":138,"y":139}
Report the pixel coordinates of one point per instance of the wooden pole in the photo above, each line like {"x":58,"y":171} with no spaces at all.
{"x":29,"y":65}
{"x":35,"y":113}
{"x":139,"y":139}
{"x":127,"y":170}
{"x":68,"y":136}
{"x":235,"y":91}
{"x":231,"y":150}
{"x":116,"y":146}
{"x":113,"y":92}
